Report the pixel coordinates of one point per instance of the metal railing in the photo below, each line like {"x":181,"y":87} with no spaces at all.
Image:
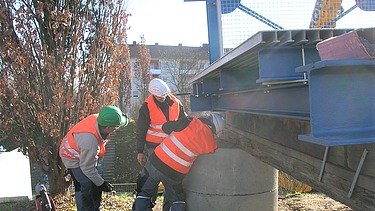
{"x":118,"y":187}
{"x":124,"y":187}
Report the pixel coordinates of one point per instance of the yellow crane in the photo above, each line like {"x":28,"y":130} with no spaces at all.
{"x":325,"y":11}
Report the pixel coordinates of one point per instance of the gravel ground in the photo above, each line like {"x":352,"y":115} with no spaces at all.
{"x":301,"y":202}
{"x":310,"y":202}
{"x":291,"y":202}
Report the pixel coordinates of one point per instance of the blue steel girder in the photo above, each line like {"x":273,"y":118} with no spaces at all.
{"x":259,"y":75}
{"x":342,"y":102}
{"x":289,"y":101}
{"x":215,"y":40}
{"x":271,"y":59}
{"x":214,"y":30}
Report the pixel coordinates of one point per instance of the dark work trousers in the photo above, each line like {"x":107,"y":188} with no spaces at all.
{"x":88,"y":196}
{"x":166,"y":205}
{"x":150,"y":188}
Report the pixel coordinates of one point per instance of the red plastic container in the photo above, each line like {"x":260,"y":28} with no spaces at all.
{"x":358,"y":44}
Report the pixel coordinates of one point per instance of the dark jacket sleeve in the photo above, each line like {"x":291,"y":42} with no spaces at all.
{"x":143,"y":123}
{"x":182,"y":113}
{"x":177,"y":125}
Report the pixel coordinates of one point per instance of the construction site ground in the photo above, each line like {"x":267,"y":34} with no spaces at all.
{"x":289,"y":202}
{"x":309,"y":202}
{"x":301,"y":202}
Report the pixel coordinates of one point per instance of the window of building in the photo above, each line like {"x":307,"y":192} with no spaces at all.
{"x":135,"y":93}
{"x":186,"y":65}
{"x":154,"y":64}
{"x":201,"y":65}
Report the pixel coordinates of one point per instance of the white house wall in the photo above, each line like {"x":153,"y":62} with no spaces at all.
{"x":15,"y":176}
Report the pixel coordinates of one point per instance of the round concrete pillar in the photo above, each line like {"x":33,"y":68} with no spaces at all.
{"x":231,"y":179}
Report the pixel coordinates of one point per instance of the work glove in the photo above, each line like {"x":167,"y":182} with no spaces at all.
{"x":141,"y":159}
{"x":106,"y":186}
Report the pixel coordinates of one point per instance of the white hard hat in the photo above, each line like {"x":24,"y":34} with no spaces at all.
{"x":218,"y":121}
{"x":158,"y":87}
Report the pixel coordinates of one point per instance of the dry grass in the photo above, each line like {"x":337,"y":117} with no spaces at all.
{"x":291,"y":184}
{"x":292,"y":202}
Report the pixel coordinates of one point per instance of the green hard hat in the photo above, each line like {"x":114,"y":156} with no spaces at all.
{"x":112,"y":116}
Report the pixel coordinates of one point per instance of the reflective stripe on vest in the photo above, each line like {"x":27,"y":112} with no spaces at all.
{"x":156,"y":126}
{"x":66,"y":151}
{"x":180,"y":149}
{"x":174,"y":156}
{"x":155,"y":134}
{"x":158,"y":134}
{"x":68,"y":148}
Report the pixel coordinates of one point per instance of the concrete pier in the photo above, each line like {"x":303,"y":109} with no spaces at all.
{"x":231,"y":179}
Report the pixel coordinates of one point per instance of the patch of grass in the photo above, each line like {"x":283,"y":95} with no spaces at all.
{"x":17,"y":205}
{"x":109,"y":202}
{"x":66,"y":202}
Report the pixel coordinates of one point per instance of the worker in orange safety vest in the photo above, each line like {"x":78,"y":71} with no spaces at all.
{"x":83,"y":147}
{"x":159,"y":107}
{"x":172,"y":159}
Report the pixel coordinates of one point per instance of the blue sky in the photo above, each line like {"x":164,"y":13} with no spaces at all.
{"x":168,"y":22}
{"x":171,"y":22}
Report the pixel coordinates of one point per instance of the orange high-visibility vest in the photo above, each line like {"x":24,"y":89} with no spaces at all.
{"x":154,"y":133}
{"x":180,"y":149}
{"x":68,"y":147}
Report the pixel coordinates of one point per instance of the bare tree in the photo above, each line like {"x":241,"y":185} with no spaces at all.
{"x":125,"y":79}
{"x":59,"y":61}
{"x":142,"y":73}
{"x":180,"y":67}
